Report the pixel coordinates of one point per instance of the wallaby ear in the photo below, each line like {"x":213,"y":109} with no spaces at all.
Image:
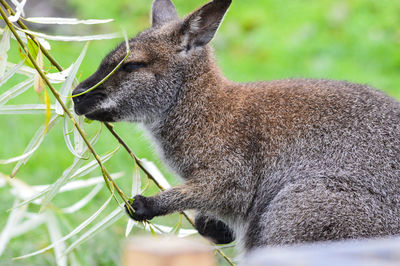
{"x":200,"y":27}
{"x":163,"y":11}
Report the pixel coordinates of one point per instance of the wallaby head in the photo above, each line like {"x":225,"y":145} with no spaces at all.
{"x":162,"y":59}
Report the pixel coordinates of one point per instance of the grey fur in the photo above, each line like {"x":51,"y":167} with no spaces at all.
{"x":280,"y":162}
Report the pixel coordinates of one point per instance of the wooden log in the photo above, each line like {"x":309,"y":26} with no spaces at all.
{"x":166,"y":251}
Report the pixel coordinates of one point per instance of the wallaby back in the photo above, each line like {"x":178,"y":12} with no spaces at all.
{"x":279,"y":162}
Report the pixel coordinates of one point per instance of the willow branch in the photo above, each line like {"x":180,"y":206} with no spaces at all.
{"x":108,"y":125}
{"x":106,"y":175}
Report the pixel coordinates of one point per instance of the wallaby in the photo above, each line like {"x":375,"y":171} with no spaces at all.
{"x":267,"y":163}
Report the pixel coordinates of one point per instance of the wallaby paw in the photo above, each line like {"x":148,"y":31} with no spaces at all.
{"x":216,"y":230}
{"x":143,"y":209}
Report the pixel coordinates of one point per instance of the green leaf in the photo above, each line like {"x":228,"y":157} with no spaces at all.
{"x":88,"y":121}
{"x":15,"y":91}
{"x":152,"y":230}
{"x":67,"y":85}
{"x":72,"y":173}
{"x":177,"y":226}
{"x":74,"y":232}
{"x":48,"y":110}
{"x":73,"y":38}
{"x":55,"y":235}
{"x":93,"y":164}
{"x":38,"y":81}
{"x":10,"y":73}
{"x":66,"y":21}
{"x":67,"y":138}
{"x":19,"y":7}
{"x":32,"y":147}
{"x":33,"y":50}
{"x":106,"y":222}
{"x":27,"y":109}
{"x":155,"y":172}
{"x":65,"y":177}
{"x":4,"y":47}
{"x":13,"y":219}
{"x":84,"y":201}
{"x":34,"y":144}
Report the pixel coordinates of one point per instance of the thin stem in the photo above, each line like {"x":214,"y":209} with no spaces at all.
{"x":103,"y":80}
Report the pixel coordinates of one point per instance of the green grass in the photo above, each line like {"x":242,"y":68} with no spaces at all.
{"x":355,"y":40}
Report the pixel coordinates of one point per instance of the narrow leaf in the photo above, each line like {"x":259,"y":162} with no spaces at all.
{"x":48,"y":110}
{"x":59,"y":77}
{"x":28,"y":225}
{"x":15,"y":91}
{"x":70,"y":174}
{"x":34,"y":144}
{"x":106,"y":222}
{"x":37,"y":140}
{"x":80,"y":204}
{"x":44,"y":189}
{"x":73,"y":38}
{"x":11,"y":71}
{"x":88,"y":182}
{"x":162,"y":229}
{"x":28,"y":109}
{"x":13,"y":219}
{"x":152,"y":230}
{"x":72,"y":233}
{"x":19,"y":9}
{"x":131,"y":223}
{"x":153,"y":170}
{"x":23,"y":70}
{"x":136,"y":185}
{"x":136,"y":182}
{"x":78,"y":184}
{"x":22,"y":36}
{"x":93,"y":164}
{"x":67,"y":86}
{"x":26,"y":154}
{"x":4,"y":47}
{"x":78,"y":140}
{"x":65,"y":177}
{"x":66,"y":21}
{"x":33,"y":50}
{"x":67,"y":138}
{"x":55,"y":236}
{"x":38,"y":81}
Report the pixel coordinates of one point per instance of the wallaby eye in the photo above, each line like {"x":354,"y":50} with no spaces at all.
{"x":132,"y":66}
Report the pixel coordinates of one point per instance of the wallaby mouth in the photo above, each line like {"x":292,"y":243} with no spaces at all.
{"x":87,"y":102}
{"x":102,"y":116}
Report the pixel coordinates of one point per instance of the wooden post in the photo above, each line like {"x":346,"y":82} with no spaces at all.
{"x":166,"y":251}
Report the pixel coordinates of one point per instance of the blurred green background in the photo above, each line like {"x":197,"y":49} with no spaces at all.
{"x":354,"y":40}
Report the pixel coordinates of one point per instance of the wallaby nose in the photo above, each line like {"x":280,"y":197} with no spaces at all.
{"x":78,"y":90}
